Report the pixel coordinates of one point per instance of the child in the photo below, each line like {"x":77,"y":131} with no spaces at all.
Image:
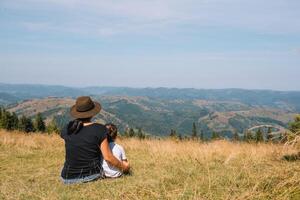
{"x":117,"y":150}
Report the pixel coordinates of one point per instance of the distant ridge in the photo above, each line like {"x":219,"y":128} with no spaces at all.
{"x":289,"y":100}
{"x":28,"y":91}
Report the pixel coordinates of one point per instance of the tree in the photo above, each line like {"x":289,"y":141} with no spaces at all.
{"x":179,"y":137}
{"x":269,"y":135}
{"x":6,"y":120}
{"x":126,"y":133}
{"x":295,"y":125}
{"x":259,"y":136}
{"x":14,"y":121}
{"x":22,"y":123}
{"x":236,"y":136}
{"x":131,"y":132}
{"x":248,"y":136}
{"x":173,"y":133}
{"x":25,"y":124}
{"x":194,"y":131}
{"x":39,"y":124}
{"x":215,"y":135}
{"x":140,"y":134}
{"x":52,"y":127}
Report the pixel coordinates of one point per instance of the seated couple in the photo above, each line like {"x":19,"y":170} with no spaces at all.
{"x":91,"y":151}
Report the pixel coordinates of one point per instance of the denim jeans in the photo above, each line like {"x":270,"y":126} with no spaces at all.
{"x":82,"y":180}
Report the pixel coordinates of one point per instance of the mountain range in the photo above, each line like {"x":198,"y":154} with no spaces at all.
{"x":158,"y":110}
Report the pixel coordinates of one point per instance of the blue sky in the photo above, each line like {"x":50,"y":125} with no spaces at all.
{"x":140,"y":43}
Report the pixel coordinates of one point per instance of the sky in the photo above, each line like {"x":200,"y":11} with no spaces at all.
{"x":249,"y":44}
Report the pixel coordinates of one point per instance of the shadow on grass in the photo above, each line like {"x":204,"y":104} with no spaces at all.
{"x":130,"y":173}
{"x":292,"y":157}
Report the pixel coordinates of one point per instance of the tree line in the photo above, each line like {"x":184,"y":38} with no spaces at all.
{"x":258,"y":136}
{"x":130,"y":132}
{"x":10,"y":121}
{"x":249,"y":136}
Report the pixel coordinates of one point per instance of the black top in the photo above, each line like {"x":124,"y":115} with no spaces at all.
{"x":83,"y":155}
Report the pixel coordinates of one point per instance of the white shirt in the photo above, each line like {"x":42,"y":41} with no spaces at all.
{"x":119,"y":153}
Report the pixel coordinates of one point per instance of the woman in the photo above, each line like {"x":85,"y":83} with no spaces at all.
{"x":86,"y":145}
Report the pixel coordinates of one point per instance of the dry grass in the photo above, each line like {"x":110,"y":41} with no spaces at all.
{"x":162,"y":169}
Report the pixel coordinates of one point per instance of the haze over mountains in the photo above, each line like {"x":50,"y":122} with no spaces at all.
{"x":158,"y":110}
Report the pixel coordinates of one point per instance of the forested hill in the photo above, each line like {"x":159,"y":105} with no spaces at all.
{"x":158,"y":110}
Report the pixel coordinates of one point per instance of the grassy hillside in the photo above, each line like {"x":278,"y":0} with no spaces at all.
{"x":162,"y":169}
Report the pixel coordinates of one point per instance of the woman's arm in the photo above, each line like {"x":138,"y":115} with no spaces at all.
{"x":111,"y":159}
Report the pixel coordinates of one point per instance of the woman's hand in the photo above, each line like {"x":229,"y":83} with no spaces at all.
{"x":126,"y":166}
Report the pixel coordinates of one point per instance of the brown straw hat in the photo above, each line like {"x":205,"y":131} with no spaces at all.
{"x":85,"y":108}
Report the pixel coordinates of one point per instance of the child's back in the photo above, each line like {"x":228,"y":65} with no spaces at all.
{"x":119,"y":153}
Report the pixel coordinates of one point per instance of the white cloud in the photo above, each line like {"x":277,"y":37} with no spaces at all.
{"x":105,"y":18}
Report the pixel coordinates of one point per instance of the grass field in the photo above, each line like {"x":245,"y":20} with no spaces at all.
{"x":162,"y":169}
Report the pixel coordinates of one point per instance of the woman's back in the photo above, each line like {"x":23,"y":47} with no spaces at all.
{"x":83,"y":156}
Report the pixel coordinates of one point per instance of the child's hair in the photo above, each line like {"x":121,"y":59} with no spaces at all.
{"x":112,"y":132}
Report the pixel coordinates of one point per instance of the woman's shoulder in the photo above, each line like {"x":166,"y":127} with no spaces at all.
{"x":98,"y":126}
{"x":99,"y":130}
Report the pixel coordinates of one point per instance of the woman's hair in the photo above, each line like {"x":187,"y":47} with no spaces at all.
{"x":76,"y":125}
{"x":112,"y":132}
